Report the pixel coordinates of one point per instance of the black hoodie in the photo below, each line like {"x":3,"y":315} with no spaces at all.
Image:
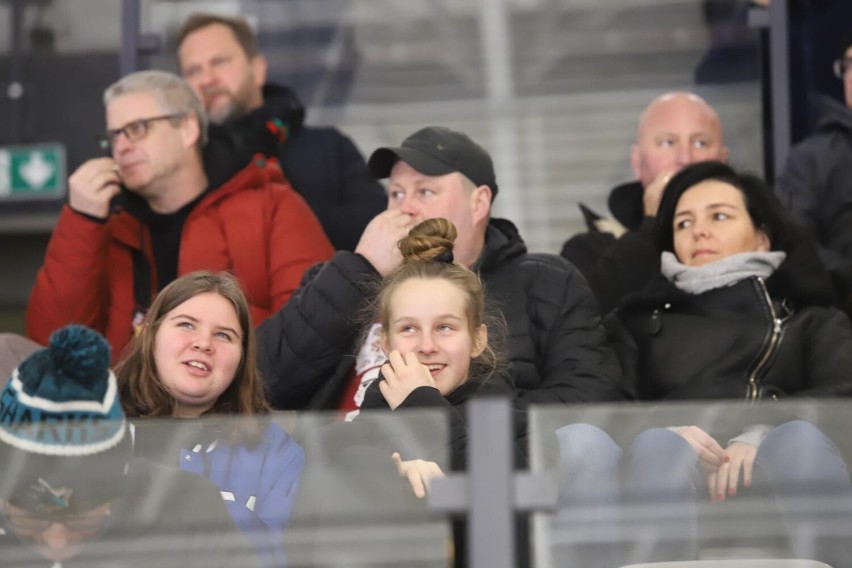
{"x":816,"y":185}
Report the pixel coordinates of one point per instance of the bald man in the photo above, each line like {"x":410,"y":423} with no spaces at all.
{"x":617,"y":255}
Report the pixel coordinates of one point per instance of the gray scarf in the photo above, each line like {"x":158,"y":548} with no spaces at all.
{"x":725,"y":272}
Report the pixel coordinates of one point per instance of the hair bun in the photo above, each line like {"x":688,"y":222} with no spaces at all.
{"x":431,"y":240}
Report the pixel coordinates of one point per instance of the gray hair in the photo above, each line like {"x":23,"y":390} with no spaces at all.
{"x":172,"y":93}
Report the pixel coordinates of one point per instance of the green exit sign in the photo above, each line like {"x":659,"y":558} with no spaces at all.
{"x":32,"y":172}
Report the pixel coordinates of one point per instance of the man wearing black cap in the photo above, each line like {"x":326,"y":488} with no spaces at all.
{"x":557,"y":349}
{"x":71,"y":494}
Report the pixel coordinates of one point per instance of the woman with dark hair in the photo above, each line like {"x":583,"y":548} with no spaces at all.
{"x":736,"y":271}
{"x":742,"y":311}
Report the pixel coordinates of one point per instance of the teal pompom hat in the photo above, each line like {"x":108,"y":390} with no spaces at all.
{"x":61,"y":424}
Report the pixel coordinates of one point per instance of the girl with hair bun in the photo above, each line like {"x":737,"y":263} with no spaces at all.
{"x":433,"y":330}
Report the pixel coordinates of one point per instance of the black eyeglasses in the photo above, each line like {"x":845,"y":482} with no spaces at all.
{"x":842,"y":67}
{"x":133,"y":131}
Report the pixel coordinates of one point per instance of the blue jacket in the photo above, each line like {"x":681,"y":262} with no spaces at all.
{"x":258,"y":484}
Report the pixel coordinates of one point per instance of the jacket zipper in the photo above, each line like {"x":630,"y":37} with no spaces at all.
{"x":772,"y":344}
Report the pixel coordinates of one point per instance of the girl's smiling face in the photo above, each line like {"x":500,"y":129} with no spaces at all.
{"x":197,"y":351}
{"x":428,"y":317}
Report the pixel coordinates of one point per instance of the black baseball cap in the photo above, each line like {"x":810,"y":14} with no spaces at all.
{"x":437,"y":151}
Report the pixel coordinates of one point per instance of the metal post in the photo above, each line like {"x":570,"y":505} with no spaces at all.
{"x":491,"y":485}
{"x":496,"y":48}
{"x":130,"y":21}
{"x":779,"y":46}
{"x":15,"y":88}
{"x":491,"y":492}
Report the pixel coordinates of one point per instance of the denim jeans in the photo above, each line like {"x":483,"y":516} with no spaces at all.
{"x":641,"y":504}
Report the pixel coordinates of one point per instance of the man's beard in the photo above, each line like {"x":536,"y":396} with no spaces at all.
{"x":234,"y":108}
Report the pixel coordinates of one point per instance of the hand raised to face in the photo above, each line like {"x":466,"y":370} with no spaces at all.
{"x":403,"y":374}
{"x":92,"y":186}
{"x":653,"y":194}
{"x":379,"y":242}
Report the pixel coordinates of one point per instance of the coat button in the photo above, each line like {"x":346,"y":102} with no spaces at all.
{"x":655,"y":324}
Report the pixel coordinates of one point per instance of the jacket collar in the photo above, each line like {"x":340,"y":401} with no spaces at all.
{"x":265,"y":128}
{"x":502,"y":242}
{"x":224,"y":157}
{"x":625,"y":204}
{"x":282,"y":103}
{"x":801,"y":279}
{"x":833,"y":115}
{"x":134,"y":211}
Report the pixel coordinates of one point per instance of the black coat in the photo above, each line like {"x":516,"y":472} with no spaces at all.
{"x":816,"y":185}
{"x":616,"y":267}
{"x":557,"y":348}
{"x":362,"y":448}
{"x":497,"y":384}
{"x":752,"y":340}
{"x":322,"y":164}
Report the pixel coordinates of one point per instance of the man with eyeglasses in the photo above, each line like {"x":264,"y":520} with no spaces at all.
{"x":816,"y":183}
{"x":163,"y":204}
{"x":71,"y":494}
{"x":219,"y":58}
{"x":617,"y":254}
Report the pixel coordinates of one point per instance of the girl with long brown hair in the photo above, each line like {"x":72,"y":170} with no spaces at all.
{"x":194,"y":357}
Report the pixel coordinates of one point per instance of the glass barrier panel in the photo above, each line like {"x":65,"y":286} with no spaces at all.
{"x":693,"y":481}
{"x":297,"y":490}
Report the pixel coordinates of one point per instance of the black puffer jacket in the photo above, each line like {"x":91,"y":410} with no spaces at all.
{"x":816,"y":185}
{"x":557,"y":347}
{"x":752,"y":340}
{"x":322,"y":164}
{"x":615,"y":267}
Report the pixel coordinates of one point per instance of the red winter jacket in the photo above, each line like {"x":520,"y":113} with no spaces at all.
{"x":253,"y":226}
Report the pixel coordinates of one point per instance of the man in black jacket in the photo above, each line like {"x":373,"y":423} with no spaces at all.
{"x":617,"y":255}
{"x":816,"y":183}
{"x":556,"y":349}
{"x":219,"y":57}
